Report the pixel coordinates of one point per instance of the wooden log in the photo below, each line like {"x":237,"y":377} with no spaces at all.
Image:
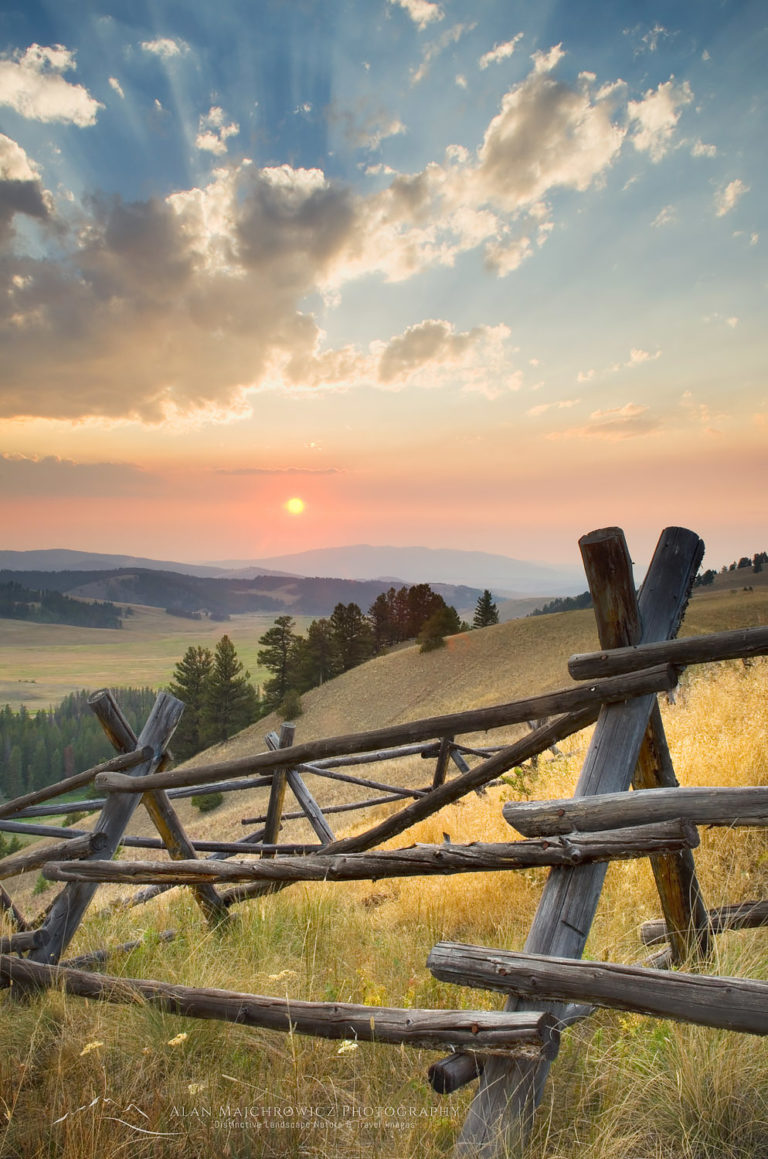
{"x":441,"y":767}
{"x":69,"y":907}
{"x":500,"y":1116}
{"x":157,"y":803}
{"x":739,"y":1004}
{"x":741,"y":643}
{"x":69,"y":784}
{"x":8,"y":906}
{"x":366,"y":782}
{"x":567,"y":700}
{"x":351,"y":807}
{"x":746,"y":915}
{"x":277,"y":791}
{"x":702,"y":805}
{"x":102,"y":955}
{"x":416,"y":860}
{"x":414,"y":750}
{"x":18,"y":943}
{"x":312,"y":810}
{"x":29,"y":859}
{"x":532,"y":1034}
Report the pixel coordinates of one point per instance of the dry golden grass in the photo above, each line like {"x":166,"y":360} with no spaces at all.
{"x":624,"y":1087}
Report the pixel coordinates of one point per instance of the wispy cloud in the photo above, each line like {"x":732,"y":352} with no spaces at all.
{"x":421,"y":12}
{"x":166,"y":47}
{"x":614,"y":424}
{"x":279,"y":471}
{"x":500,"y":51}
{"x":729,"y":196}
{"x":29,"y":476}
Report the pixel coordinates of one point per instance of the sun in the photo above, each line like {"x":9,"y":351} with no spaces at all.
{"x":294,"y":506}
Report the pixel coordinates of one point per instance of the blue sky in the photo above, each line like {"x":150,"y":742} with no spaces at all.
{"x":486,"y":275}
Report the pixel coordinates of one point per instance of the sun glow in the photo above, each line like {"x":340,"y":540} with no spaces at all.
{"x":294,"y":506}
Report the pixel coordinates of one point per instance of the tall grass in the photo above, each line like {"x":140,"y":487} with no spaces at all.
{"x":83,"y":1079}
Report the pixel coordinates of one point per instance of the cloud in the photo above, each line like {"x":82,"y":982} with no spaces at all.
{"x":729,"y":196}
{"x":213,"y":132}
{"x":21,"y":190}
{"x":451,"y":36}
{"x":547,"y":134}
{"x":279,"y":471}
{"x":699,"y":149}
{"x":543,"y":407}
{"x":114,"y":83}
{"x":616,"y":423}
{"x":500,"y":51}
{"x":666,"y":216}
{"x":32,"y":84}
{"x":657,"y":115}
{"x":637,"y":357}
{"x":24,"y":476}
{"x":166,"y":47}
{"x":421,"y":12}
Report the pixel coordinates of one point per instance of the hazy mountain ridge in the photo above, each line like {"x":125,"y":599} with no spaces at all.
{"x":221,"y":596}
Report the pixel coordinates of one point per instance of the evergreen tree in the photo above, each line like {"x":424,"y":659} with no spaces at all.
{"x":443,"y":622}
{"x":316,"y":657}
{"x":277,"y":655}
{"x":486,"y":612}
{"x":230,"y":702}
{"x":190,"y":679}
{"x":353,"y":635}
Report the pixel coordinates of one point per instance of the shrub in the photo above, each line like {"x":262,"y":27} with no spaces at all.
{"x":290,"y":706}
{"x":206,"y":802}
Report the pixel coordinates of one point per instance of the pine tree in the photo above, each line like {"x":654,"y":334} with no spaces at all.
{"x":316,"y":657}
{"x":230,"y":702}
{"x":444,"y":622}
{"x":190,"y":679}
{"x":277,"y":656}
{"x":486,"y":612}
{"x":353,"y":635}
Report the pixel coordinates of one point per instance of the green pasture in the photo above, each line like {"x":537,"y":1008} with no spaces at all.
{"x":41,"y":663}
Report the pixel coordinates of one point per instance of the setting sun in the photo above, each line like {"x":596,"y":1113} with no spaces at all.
{"x":295,"y":506}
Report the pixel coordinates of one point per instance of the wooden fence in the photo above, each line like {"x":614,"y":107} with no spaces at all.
{"x":547,"y":986}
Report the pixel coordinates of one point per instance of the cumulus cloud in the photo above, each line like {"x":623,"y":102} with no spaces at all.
{"x":656,"y":116}
{"x":213,"y":132}
{"x":166,"y":47}
{"x":699,"y":149}
{"x":500,"y":51}
{"x":32,"y":84}
{"x":21,"y":190}
{"x":186,"y":305}
{"x":421,"y":12}
{"x":729,"y":196}
{"x":26,"y":476}
{"x":616,"y":423}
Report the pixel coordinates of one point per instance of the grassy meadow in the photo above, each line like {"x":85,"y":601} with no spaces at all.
{"x":82,"y":1079}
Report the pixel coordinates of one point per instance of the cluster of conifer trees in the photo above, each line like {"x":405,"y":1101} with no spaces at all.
{"x":50,"y":607}
{"x":38,"y":749}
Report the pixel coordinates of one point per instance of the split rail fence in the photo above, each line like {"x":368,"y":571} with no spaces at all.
{"x":548,"y":987}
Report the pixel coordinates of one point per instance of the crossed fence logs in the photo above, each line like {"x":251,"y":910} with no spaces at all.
{"x":508,"y":1052}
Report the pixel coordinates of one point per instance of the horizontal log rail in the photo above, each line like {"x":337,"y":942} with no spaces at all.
{"x":739,"y":644}
{"x":702,"y":805}
{"x":104,"y":953}
{"x":746,"y":915}
{"x":569,"y":700}
{"x":78,"y":781}
{"x":28,"y":859}
{"x":70,"y":836}
{"x":17,"y":943}
{"x":533,"y":1033}
{"x":414,"y":861}
{"x":726,"y":1003}
{"x":351,"y":807}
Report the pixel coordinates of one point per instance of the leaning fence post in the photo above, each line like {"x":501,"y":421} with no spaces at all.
{"x":500,"y":1116}
{"x":68,"y":908}
{"x":619,"y":624}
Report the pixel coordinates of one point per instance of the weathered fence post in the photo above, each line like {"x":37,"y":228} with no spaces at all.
{"x":500,"y":1116}
{"x":277,"y":790}
{"x":619,"y":624}
{"x":68,"y":908}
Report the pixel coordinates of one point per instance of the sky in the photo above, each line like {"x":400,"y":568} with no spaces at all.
{"x":483,"y":276}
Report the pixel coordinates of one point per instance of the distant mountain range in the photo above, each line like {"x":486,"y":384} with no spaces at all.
{"x":502,"y":574}
{"x":458,"y":575}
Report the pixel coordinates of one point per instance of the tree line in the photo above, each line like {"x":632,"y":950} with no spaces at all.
{"x":40,"y":748}
{"x":51,"y":607}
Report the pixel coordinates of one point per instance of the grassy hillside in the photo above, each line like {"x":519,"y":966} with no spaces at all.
{"x":624,"y":1087}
